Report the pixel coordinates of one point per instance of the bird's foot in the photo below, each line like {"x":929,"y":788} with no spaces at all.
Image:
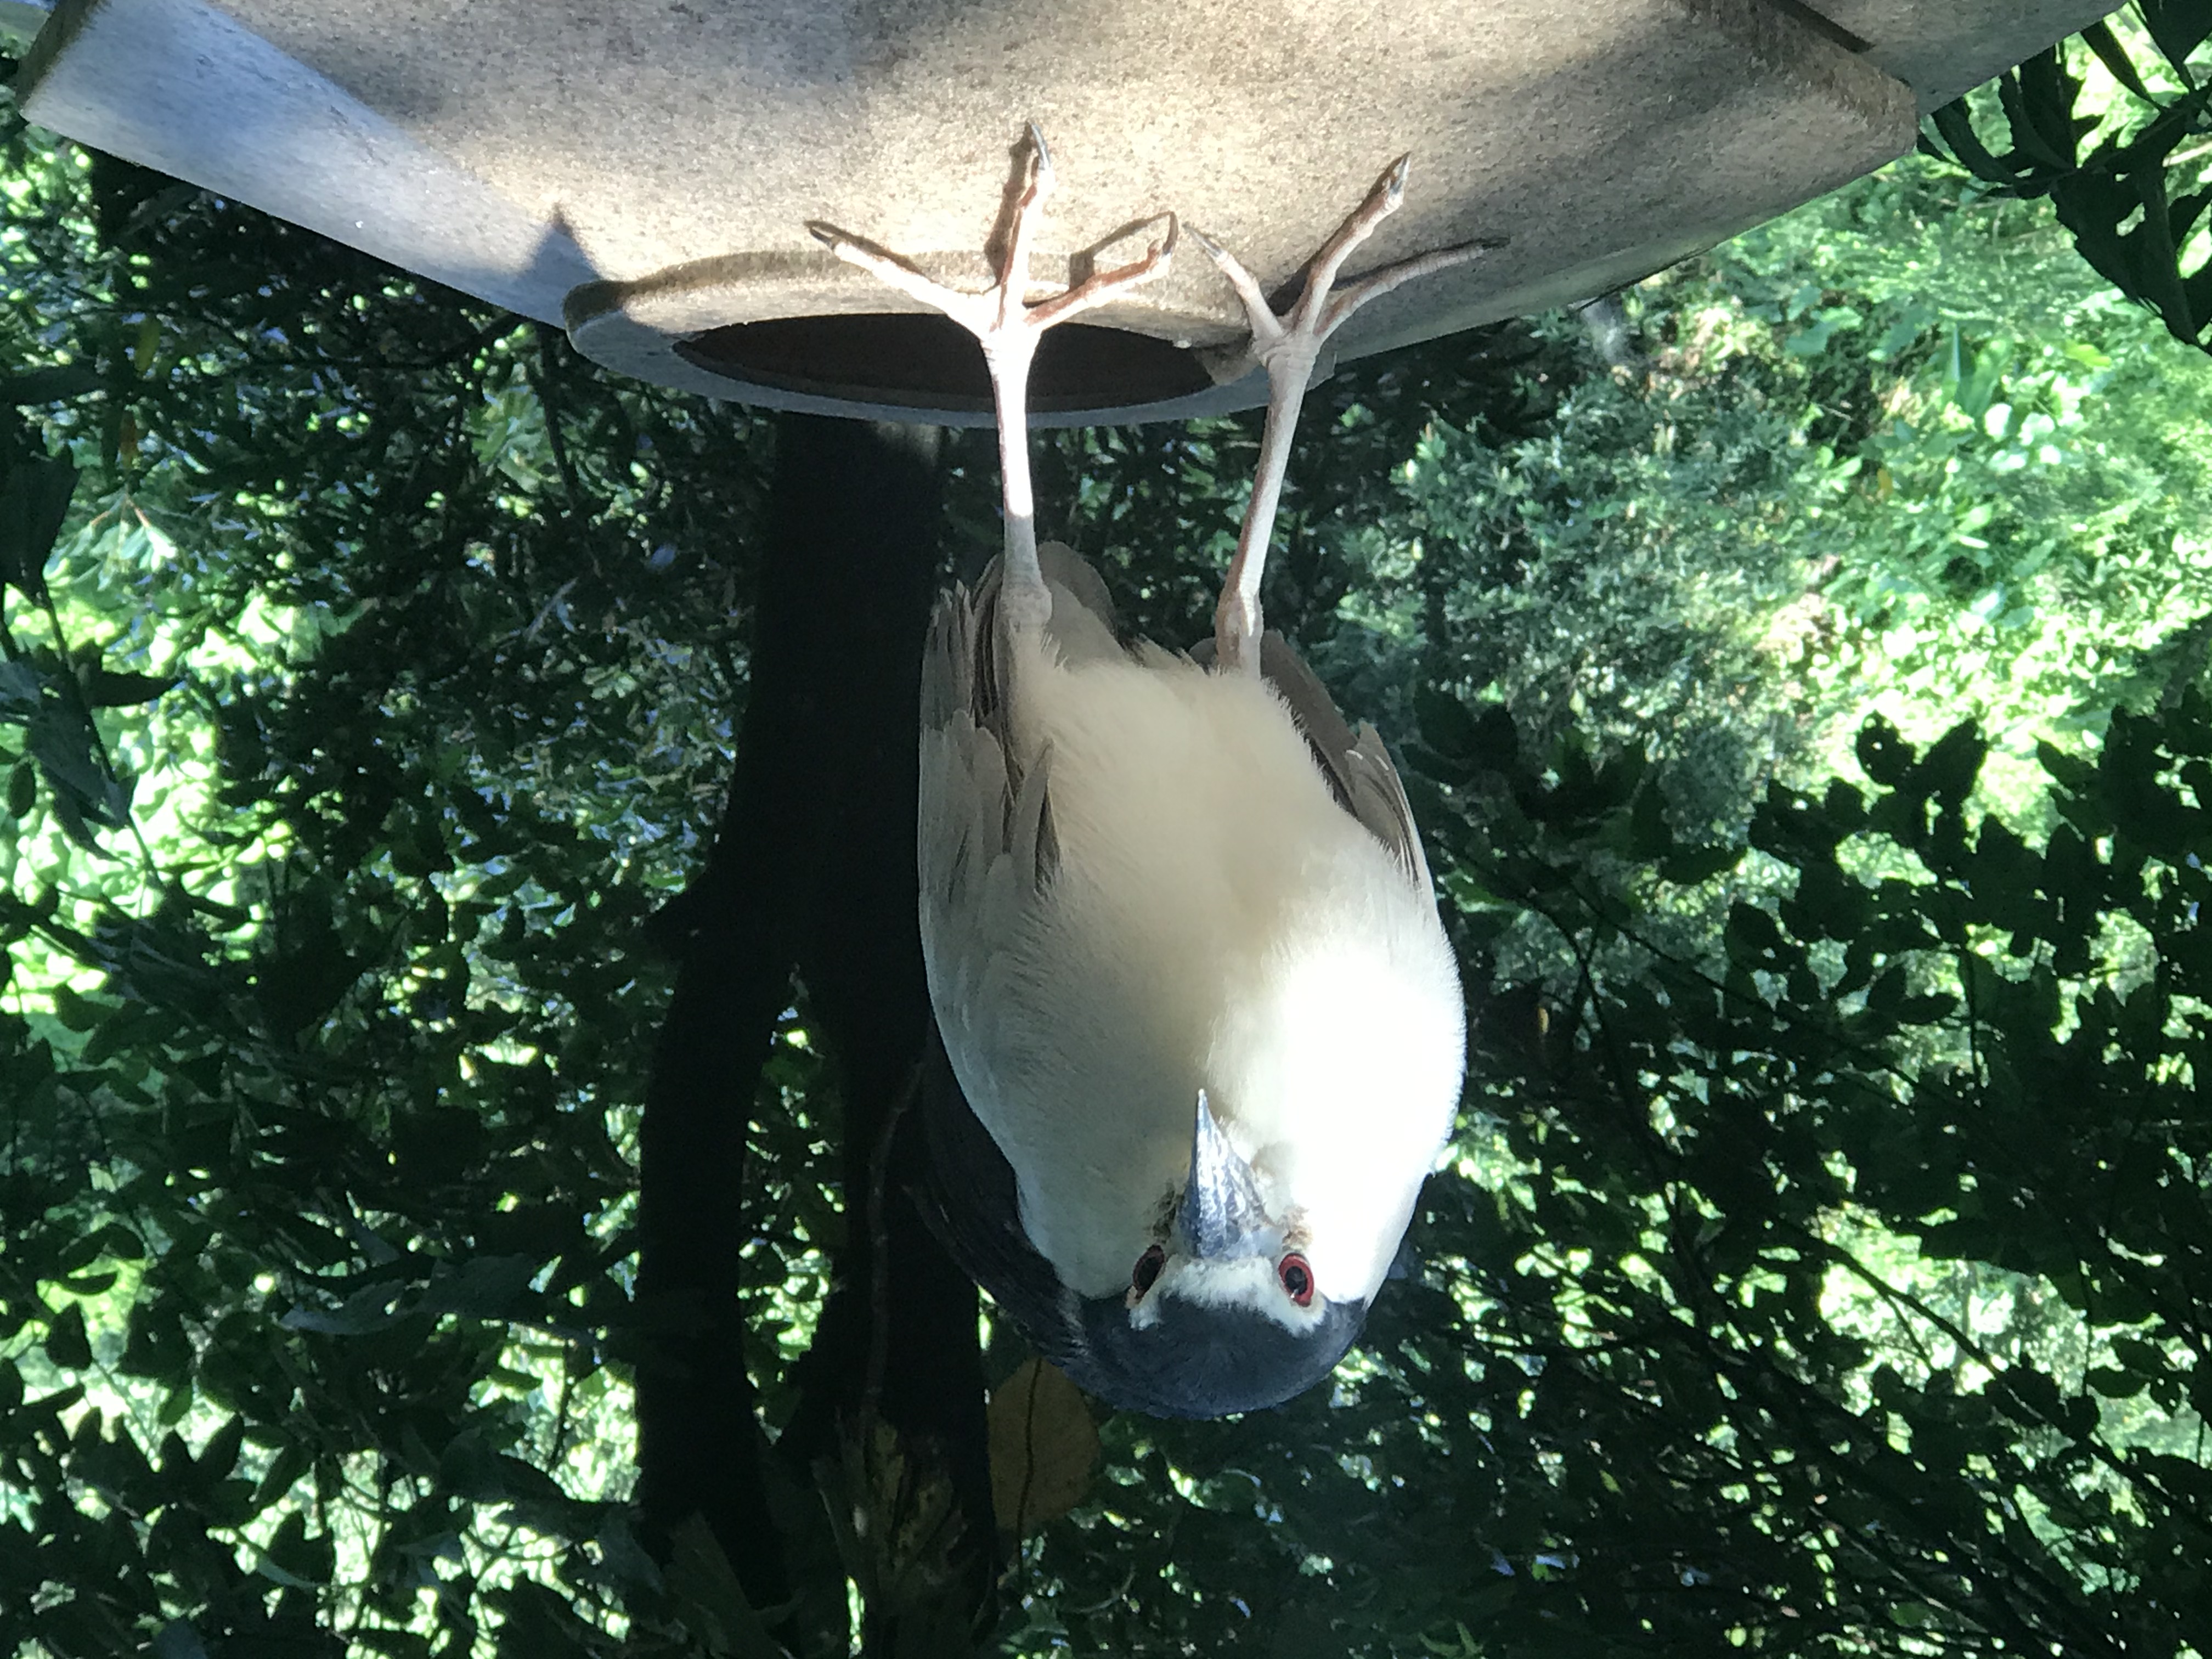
{"x":1008,"y":326}
{"x":1001,"y":317}
{"x":1288,"y":346}
{"x":1293,"y":339}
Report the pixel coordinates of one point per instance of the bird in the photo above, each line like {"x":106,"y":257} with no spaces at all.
{"x":1181,"y":945}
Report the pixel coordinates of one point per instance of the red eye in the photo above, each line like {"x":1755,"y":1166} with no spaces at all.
{"x":1147,"y":1269}
{"x":1298,"y":1278}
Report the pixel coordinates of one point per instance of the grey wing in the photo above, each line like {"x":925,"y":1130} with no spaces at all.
{"x":971,"y":785}
{"x":985,"y":838}
{"x":1356,"y":763}
{"x":969,"y":1200}
{"x":986,"y":851}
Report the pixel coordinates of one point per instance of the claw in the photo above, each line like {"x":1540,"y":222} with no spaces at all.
{"x":1385,"y":199}
{"x":1377,"y":283}
{"x":1102,"y":286}
{"x":1289,"y":347}
{"x":1043,"y":179}
{"x":1391,"y":186}
{"x":1266,"y":326}
{"x":1008,"y":327}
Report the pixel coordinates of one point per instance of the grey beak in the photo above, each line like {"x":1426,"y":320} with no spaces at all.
{"x":1221,"y":1215}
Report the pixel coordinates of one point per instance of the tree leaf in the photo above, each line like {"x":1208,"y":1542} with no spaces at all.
{"x":1884,"y":753}
{"x":66,"y":748}
{"x":1044,"y":1446}
{"x":1649,"y":835}
{"x":1695,"y":864}
{"x":706,"y":1590}
{"x":485,"y":1287}
{"x":107,"y":688}
{"x":35,"y":500}
{"x":67,"y":1345}
{"x":2178,"y":26}
{"x":2098,"y":37}
{"x":366,"y":1310}
{"x":1955,"y":125}
{"x":1446,"y":726}
{"x":1948,"y":770}
{"x":54,"y":383}
{"x":21,"y":690}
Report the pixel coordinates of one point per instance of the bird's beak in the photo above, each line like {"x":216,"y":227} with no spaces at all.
{"x":1221,"y":1215}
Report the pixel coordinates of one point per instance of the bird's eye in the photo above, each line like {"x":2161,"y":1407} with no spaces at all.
{"x":1147,"y":1269}
{"x":1298,"y":1278}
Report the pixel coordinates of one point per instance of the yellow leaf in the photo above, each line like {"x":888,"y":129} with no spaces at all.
{"x":1044,"y":1446}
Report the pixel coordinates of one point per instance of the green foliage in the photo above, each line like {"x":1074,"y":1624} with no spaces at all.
{"x":1890,"y":451}
{"x":1943,"y":1055}
{"x":2129,"y":202}
{"x":1816,"y":1296}
{"x":398,"y":634}
{"x":1818,"y":1267}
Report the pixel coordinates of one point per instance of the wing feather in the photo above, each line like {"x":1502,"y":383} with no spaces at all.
{"x":986,"y":851}
{"x":969,"y":1200}
{"x":1357,"y":765}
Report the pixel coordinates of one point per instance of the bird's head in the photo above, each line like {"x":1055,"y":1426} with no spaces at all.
{"x":1223,"y":1311}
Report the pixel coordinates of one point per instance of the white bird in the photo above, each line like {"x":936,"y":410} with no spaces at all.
{"x":1181,"y":939}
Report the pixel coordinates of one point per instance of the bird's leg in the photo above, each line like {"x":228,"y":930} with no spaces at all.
{"x":1008,"y":327}
{"x":1288,"y":347}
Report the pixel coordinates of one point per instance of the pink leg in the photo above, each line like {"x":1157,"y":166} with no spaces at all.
{"x":1009,"y":328}
{"x":1288,"y":347}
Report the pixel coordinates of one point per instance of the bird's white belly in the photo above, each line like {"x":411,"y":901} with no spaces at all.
{"x":1218,"y":921}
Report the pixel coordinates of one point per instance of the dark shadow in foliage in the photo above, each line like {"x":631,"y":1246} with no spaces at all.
{"x":1951,"y":1052}
{"x":814,"y":872}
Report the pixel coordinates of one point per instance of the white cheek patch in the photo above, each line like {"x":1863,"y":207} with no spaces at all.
{"x":1246,"y":1282}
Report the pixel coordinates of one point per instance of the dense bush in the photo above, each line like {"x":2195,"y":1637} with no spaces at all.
{"x":1822,"y":1265}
